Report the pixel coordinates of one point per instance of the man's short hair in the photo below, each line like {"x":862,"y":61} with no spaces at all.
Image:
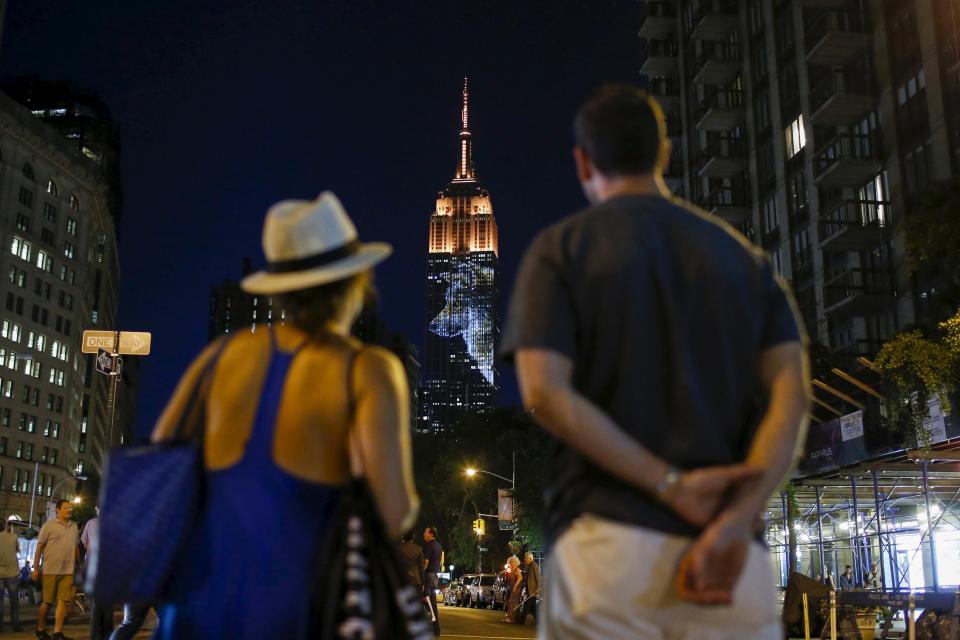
{"x":621,"y":129}
{"x":433,"y":531}
{"x":60,"y":503}
{"x":528,"y":554}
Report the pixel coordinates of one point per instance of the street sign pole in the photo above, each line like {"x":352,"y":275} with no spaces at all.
{"x":114,"y":378}
{"x":130,"y":343}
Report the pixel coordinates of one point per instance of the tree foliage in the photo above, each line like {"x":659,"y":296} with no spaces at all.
{"x":450,"y":500}
{"x":918,"y":367}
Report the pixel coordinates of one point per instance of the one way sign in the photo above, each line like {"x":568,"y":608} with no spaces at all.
{"x":104,"y":362}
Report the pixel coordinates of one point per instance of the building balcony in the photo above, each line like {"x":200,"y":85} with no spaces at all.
{"x":852,"y":225}
{"x":666,"y":91}
{"x":856,"y":292}
{"x":715,"y":20}
{"x":724,"y":157}
{"x":660,"y":20}
{"x":838,"y":99}
{"x":834,"y":38}
{"x":718,"y":63}
{"x":862,"y":348}
{"x":661,"y":58}
{"x":849,"y":160}
{"x":727,"y":203}
{"x":721,"y":110}
{"x":673,"y":173}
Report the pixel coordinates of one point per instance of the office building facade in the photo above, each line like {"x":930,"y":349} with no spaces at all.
{"x":60,"y":276}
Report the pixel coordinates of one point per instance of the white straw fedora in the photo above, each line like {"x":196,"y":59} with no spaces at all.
{"x":308,"y":244}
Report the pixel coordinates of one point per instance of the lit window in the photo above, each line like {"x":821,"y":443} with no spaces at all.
{"x":21,"y":248}
{"x":52,"y":188}
{"x":74,"y":203}
{"x":795,"y":136}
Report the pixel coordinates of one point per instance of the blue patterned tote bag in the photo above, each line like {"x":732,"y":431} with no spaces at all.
{"x":148,"y":506}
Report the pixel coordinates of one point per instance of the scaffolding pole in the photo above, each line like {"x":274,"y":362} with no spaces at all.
{"x":858,"y":573}
{"x":823,"y":566}
{"x":933,"y":544}
{"x":879,"y":507}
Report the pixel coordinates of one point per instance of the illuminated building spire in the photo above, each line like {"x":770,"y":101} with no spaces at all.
{"x":465,"y":170}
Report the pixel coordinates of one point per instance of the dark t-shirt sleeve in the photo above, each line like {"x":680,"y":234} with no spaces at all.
{"x":780,"y":318}
{"x":541,"y":312}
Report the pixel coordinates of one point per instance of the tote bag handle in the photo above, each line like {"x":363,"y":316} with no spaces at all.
{"x":200,"y":388}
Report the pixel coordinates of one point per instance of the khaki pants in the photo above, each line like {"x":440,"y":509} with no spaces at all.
{"x":610,"y":581}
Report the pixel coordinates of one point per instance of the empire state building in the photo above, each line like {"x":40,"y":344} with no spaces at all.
{"x":462,"y":284}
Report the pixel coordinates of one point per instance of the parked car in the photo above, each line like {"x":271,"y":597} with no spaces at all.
{"x":463,"y":595}
{"x":480,"y":591}
{"x":501,"y":590}
{"x":451,"y":593}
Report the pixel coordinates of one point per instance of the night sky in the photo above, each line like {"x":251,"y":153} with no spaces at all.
{"x":225,"y":108}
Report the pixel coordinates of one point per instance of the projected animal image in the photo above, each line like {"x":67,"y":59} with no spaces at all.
{"x":466,"y":316}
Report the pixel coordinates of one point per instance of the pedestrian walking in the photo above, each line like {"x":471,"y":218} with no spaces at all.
{"x":433,"y":565}
{"x":531,"y":582}
{"x":9,"y":574}
{"x":412,"y":565}
{"x":26,"y":584}
{"x":53,"y":565}
{"x":101,"y":613}
{"x":134,"y":615}
{"x":290,"y":410}
{"x":514,"y":584}
{"x":872,"y":579}
{"x":660,"y":349}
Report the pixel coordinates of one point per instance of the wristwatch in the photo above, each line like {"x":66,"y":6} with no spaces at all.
{"x":667,"y":485}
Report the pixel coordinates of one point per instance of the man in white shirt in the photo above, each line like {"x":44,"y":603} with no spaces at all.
{"x":57,"y":549}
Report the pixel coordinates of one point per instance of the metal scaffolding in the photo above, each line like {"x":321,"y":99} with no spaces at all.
{"x":901,"y":517}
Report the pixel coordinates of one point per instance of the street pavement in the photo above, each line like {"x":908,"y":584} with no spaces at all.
{"x":77,"y":627}
{"x":457,"y":622}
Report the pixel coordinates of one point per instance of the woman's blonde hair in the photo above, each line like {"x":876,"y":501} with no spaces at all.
{"x":513,"y":561}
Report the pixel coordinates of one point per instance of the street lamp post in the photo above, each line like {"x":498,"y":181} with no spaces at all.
{"x":472,"y":471}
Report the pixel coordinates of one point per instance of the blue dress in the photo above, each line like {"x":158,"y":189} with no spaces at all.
{"x":249,"y":569}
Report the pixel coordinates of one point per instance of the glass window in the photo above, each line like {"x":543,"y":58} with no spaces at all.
{"x":796,"y":137}
{"x":52,"y":188}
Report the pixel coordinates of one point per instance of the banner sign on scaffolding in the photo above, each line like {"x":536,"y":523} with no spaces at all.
{"x":851,"y":426}
{"x":505,"y":509}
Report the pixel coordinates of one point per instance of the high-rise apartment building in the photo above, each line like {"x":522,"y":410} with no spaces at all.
{"x":60,"y":276}
{"x":814,"y":126}
{"x":462,"y":285}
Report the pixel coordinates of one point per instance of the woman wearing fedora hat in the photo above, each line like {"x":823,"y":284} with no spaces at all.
{"x":291,"y":412}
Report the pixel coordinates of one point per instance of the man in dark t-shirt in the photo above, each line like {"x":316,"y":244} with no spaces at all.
{"x":664,"y":354}
{"x":433,"y":564}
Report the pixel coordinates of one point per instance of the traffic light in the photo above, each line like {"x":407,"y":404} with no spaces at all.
{"x":478,"y":527}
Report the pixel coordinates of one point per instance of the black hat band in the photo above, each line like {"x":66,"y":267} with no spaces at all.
{"x":314,"y":261}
